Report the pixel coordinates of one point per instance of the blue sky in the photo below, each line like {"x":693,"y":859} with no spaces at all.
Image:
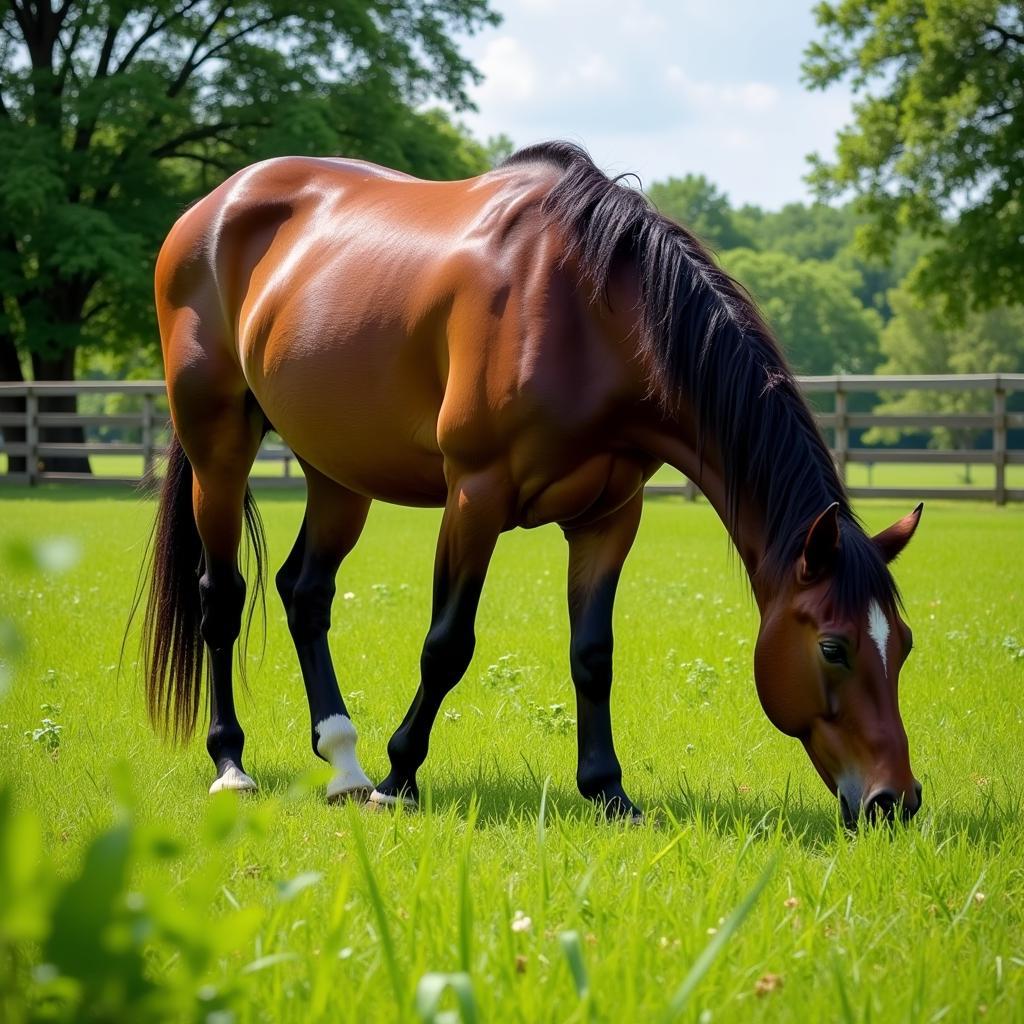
{"x":662,"y":87}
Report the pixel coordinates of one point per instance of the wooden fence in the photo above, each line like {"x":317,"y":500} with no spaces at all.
{"x":142,"y":411}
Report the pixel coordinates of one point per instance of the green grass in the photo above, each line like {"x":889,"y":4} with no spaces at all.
{"x":920,"y":923}
{"x":883,"y":474}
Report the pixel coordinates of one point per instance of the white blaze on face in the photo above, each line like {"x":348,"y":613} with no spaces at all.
{"x":878,"y":630}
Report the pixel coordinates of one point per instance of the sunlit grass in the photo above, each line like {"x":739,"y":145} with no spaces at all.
{"x":913,"y":924}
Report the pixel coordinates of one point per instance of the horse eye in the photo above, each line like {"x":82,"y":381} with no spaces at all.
{"x":834,"y":652}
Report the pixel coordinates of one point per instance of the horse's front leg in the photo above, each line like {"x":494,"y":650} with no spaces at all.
{"x":476,"y":512}
{"x":596,"y":555}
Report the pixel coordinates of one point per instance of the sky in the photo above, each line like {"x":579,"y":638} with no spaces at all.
{"x":662,"y":87}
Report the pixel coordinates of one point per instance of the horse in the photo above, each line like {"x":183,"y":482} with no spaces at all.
{"x":520,"y":348}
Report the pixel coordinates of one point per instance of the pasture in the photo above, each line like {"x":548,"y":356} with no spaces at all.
{"x":312,"y":912}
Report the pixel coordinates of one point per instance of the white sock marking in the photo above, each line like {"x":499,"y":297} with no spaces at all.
{"x":878,"y":630}
{"x":337,"y":742}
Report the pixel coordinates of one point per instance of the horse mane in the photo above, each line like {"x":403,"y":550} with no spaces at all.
{"x":701,"y":335}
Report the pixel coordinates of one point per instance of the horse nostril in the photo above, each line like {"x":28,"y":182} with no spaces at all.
{"x":882,"y":806}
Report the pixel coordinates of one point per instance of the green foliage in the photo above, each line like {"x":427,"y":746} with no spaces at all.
{"x":698,"y":205}
{"x":113,"y":116}
{"x":813,"y":307}
{"x":484,"y":891}
{"x":917,"y":341}
{"x":935,"y":144}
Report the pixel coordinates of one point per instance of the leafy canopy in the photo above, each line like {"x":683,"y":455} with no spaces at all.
{"x":936,"y":146}
{"x":814,"y":309}
{"x":114,"y":115}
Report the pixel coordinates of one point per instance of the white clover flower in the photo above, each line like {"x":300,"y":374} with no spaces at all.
{"x":520,"y":922}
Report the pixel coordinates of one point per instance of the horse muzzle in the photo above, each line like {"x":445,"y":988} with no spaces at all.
{"x":881,"y":804}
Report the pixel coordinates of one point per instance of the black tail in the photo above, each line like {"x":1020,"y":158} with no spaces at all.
{"x":172,"y":644}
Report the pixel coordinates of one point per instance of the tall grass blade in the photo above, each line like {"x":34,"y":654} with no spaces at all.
{"x":379,"y":909}
{"x":703,"y":963}
{"x":430,"y":991}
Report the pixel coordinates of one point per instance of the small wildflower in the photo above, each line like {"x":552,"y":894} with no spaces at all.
{"x":979,"y":897}
{"x":767,"y":983}
{"x":348,"y":596}
{"x":793,"y":901}
{"x":520,"y":922}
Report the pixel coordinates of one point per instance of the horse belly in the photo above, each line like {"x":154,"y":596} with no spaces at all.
{"x":355,"y":410}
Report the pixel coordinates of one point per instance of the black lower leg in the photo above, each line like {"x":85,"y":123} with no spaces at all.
{"x":222,"y":598}
{"x":309,"y":621}
{"x":598,"y":773}
{"x":446,"y":655}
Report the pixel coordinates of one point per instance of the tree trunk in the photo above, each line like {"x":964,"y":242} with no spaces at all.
{"x":60,"y":367}
{"x":10,"y":371}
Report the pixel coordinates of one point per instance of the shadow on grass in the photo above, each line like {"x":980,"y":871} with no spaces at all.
{"x":799,"y":819}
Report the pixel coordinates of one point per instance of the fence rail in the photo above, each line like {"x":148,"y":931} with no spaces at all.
{"x":21,"y":416}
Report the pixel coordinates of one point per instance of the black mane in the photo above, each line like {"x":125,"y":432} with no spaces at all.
{"x":703,"y":336}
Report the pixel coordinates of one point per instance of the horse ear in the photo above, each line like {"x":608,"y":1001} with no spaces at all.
{"x":821,"y":545}
{"x":892,"y":541}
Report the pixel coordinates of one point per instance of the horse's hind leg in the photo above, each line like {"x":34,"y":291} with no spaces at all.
{"x":221,"y":433}
{"x":333,"y":522}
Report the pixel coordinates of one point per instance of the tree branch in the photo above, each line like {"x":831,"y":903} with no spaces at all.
{"x":153,"y":29}
{"x":190,"y":65}
{"x":210,"y":131}
{"x":195,"y":62}
{"x":1005,"y":34}
{"x":68,"y":64}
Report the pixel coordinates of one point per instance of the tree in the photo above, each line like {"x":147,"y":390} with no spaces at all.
{"x":498,"y":148}
{"x":915,"y":341}
{"x":937,"y":142}
{"x":697,"y":204}
{"x":114,"y":115}
{"x":813,"y":308}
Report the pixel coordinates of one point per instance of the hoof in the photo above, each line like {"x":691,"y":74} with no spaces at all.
{"x":233,"y":778}
{"x":379,"y":799}
{"x":616,"y":806}
{"x":336,"y":744}
{"x":357,"y":794}
{"x":390,"y":793}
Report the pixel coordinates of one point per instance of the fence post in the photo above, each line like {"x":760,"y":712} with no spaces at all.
{"x":999,"y":443}
{"x":31,"y":435}
{"x":842,"y":432}
{"x":147,"y":433}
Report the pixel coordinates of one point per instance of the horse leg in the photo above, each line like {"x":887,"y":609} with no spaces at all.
{"x":596,"y":555}
{"x":222,"y":448}
{"x":333,"y":522}
{"x":476,"y":512}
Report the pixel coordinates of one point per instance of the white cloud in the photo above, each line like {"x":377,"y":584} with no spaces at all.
{"x":509,"y":72}
{"x":748,"y":97}
{"x":662,"y":87}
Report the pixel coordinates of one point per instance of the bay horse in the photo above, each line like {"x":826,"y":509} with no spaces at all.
{"x":521,"y":348}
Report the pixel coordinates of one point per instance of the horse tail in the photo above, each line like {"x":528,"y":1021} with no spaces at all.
{"x":172,"y":643}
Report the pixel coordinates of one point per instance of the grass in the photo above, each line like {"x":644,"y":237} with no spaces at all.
{"x":882,"y":474}
{"x":506,"y":875}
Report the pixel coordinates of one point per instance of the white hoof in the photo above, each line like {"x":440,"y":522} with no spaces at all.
{"x":337,"y":743}
{"x":234,"y":779}
{"x":387,"y":800}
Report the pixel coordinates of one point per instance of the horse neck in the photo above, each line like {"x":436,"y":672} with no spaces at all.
{"x":675,"y":442}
